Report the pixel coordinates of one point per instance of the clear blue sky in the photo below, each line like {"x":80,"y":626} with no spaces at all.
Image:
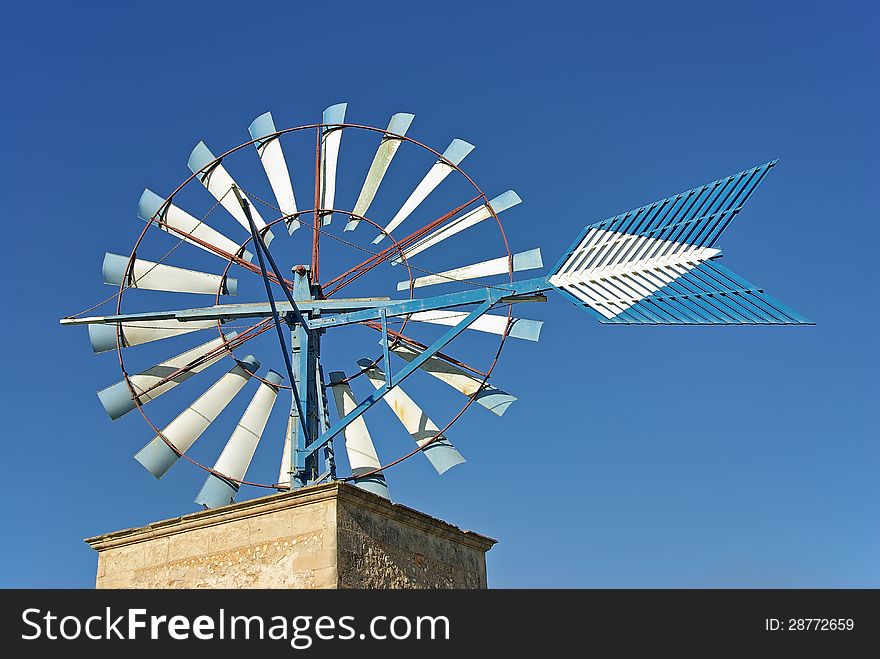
{"x":636,"y":456}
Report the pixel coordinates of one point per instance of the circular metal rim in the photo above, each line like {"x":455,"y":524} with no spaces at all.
{"x":319,"y":127}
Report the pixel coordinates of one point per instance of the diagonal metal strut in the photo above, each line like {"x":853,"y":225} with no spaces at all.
{"x":260,"y":248}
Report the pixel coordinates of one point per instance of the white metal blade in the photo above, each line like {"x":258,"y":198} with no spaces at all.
{"x":359,"y":446}
{"x":284,"y":469}
{"x":103,"y":337}
{"x":440,"y":452}
{"x":398,"y":125}
{"x":522,"y":261}
{"x":455,"y":153}
{"x":330,"y":141}
{"x":275,"y":166}
{"x":491,"y":397}
{"x":157,"y":457}
{"x":239,"y":450}
{"x":177,"y":218}
{"x":160,"y":277}
{"x":520,"y":328}
{"x":219,"y":183}
{"x":500,"y":203}
{"x":117,"y":399}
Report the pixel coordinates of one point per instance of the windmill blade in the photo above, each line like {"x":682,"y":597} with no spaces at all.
{"x":499,"y":204}
{"x":501,"y":266}
{"x":239,"y":450}
{"x":359,"y":445}
{"x":454,"y":154}
{"x":271,"y":155}
{"x":154,"y":276}
{"x":440,"y":452}
{"x":492,"y":398}
{"x":219,"y":183}
{"x":176,"y":218}
{"x":284,"y":469}
{"x":398,"y":125}
{"x":157,"y":456}
{"x":117,"y":398}
{"x":330,"y":141}
{"x":103,"y":337}
{"x":653,"y":265}
{"x":520,"y":328}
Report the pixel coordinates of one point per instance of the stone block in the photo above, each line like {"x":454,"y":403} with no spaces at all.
{"x":332,"y":535}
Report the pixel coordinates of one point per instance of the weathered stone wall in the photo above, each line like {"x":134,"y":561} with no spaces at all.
{"x":382,"y":545}
{"x":326,"y":536}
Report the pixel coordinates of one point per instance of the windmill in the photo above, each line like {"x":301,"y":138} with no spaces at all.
{"x":655,"y":265}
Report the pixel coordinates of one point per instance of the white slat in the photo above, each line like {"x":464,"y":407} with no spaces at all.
{"x":284,"y":468}
{"x":274,"y":164}
{"x":440,"y":453}
{"x":522,"y":261}
{"x":189,"y":425}
{"x":330,"y":141}
{"x":174,"y":217}
{"x":611,"y":271}
{"x":236,"y":457}
{"x":454,"y":154}
{"x":362,"y":456}
{"x":160,"y":277}
{"x":103,"y":337}
{"x":398,"y":125}
{"x":500,"y":203}
{"x":219,"y":183}
{"x":520,"y":328}
{"x":239,"y":450}
{"x":491,"y":397}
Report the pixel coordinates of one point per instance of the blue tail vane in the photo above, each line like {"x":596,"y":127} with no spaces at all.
{"x":654,"y":265}
{"x":708,"y":294}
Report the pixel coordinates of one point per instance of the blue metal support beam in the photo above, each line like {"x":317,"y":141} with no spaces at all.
{"x":368,"y":309}
{"x":261,"y":250}
{"x":401,"y":375}
{"x":496,"y":294}
{"x":385,"y":355}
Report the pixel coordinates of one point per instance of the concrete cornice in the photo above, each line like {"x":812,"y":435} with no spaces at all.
{"x":274,"y":502}
{"x":213,"y":516}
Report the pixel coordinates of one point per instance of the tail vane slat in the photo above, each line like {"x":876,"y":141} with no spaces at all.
{"x":654,"y":265}
{"x":709,"y":294}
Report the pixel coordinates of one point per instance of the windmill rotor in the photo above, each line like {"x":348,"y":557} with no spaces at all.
{"x":261,"y":240}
